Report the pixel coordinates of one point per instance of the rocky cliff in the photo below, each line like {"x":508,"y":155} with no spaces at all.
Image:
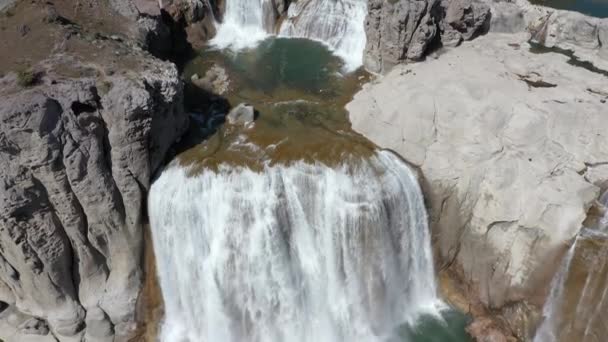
{"x":512,"y":143}
{"x":406,"y":30}
{"x":83,"y":126}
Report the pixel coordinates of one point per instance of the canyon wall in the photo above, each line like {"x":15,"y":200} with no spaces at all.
{"x":511,"y":143}
{"x":83,"y":129}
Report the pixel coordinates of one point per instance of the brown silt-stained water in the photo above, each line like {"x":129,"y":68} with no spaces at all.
{"x":299,"y":90}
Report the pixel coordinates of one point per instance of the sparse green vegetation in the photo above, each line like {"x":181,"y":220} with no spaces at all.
{"x":26,"y":77}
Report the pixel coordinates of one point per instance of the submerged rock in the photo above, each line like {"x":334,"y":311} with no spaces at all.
{"x":241,"y":114}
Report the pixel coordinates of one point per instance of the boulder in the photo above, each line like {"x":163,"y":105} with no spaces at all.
{"x":241,"y":114}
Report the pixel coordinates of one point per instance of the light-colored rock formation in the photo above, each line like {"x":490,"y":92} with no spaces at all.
{"x":586,"y":36}
{"x":241,"y":114}
{"x":506,"y":140}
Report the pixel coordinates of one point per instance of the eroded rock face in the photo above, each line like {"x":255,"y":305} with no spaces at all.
{"x":77,"y":162}
{"x":196,"y":17}
{"x":505,"y":160}
{"x":405,"y":29}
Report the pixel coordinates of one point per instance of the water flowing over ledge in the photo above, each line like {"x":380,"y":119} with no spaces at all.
{"x":339,"y":24}
{"x":295,"y":253}
{"x":579,"y":293}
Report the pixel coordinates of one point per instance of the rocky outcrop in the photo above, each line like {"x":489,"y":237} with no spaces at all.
{"x":81,"y":134}
{"x":505,"y":139}
{"x":195,"y":17}
{"x":585,"y":36}
{"x":78,"y":156}
{"x":405,"y":29}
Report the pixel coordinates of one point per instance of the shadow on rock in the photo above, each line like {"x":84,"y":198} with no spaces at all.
{"x":207,"y":112}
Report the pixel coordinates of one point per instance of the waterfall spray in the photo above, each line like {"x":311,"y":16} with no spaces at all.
{"x":546,"y":332}
{"x":296,"y":253}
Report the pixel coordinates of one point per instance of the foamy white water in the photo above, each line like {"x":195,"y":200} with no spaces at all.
{"x":243,"y":25}
{"x":337,"y":23}
{"x":295,"y":253}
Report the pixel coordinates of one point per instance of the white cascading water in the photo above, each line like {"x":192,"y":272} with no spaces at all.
{"x":551,"y":310}
{"x":243,"y":25}
{"x":295,"y":253}
{"x":337,"y":23}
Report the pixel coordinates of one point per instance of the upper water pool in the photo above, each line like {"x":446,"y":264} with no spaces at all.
{"x":595,"y":8}
{"x":299,"y":89}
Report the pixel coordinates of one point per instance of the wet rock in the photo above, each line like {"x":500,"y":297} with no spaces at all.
{"x":241,"y":114}
{"x":485,"y":330}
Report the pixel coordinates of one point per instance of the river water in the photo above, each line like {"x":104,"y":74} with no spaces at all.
{"x":294,"y":228}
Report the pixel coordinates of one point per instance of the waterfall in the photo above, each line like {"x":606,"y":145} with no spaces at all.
{"x":551,"y":311}
{"x":243,"y":25}
{"x":339,"y":24}
{"x":578,"y":302}
{"x":293,"y":253}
